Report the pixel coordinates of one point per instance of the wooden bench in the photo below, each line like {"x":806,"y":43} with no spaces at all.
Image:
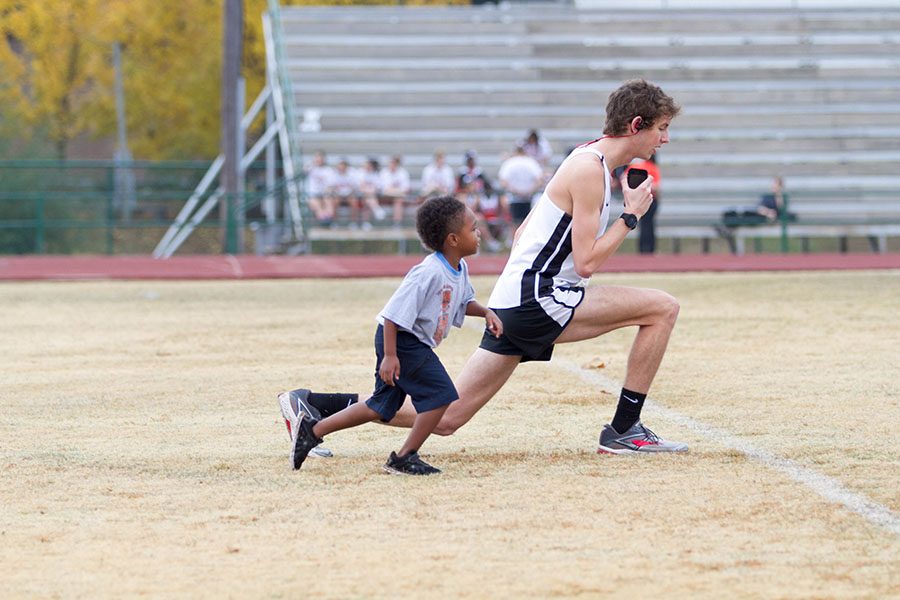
{"x":705,"y":232}
{"x":737,"y":238}
{"x":877,"y":234}
{"x":875,"y":220}
{"x":405,"y":237}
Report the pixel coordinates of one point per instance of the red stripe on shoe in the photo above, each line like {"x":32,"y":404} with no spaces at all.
{"x":640,"y":443}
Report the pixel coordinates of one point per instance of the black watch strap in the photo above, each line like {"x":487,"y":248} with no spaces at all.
{"x":630,"y":220}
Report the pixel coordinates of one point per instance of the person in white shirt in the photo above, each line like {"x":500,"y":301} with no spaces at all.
{"x":437,"y":178}
{"x":395,"y":186}
{"x":537,"y":147}
{"x":369,"y":186}
{"x":319,"y":180}
{"x":521,"y":177}
{"x":344,"y":190}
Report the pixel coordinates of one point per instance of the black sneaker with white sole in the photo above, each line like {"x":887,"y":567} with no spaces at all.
{"x":304,"y":441}
{"x":294,"y":404}
{"x":410,"y":464}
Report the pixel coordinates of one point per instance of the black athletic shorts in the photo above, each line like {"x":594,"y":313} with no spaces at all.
{"x":528,"y":331}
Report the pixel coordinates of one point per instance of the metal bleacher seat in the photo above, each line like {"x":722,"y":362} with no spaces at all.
{"x":810,"y":94}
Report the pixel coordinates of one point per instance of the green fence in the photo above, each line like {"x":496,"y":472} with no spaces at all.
{"x":104,"y":207}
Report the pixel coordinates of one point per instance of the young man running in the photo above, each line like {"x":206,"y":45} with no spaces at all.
{"x":542,"y":296}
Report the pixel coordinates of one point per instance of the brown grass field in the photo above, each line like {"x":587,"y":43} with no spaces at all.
{"x":143,"y":453}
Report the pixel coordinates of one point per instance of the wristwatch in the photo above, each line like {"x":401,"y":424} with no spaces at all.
{"x":630,"y":220}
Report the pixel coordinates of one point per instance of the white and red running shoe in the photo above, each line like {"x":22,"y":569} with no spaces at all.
{"x":638,"y":439}
{"x":294,"y":404}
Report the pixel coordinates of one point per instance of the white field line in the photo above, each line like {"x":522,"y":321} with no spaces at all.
{"x":235,"y":265}
{"x":826,"y":487}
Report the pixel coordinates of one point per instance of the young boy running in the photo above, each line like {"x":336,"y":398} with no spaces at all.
{"x":434,"y":295}
{"x":542,"y":295}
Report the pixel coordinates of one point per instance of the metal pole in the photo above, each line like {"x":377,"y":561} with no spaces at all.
{"x":269,"y":205}
{"x":230,"y":119}
{"x":40,"y":244}
{"x":783,"y":217}
{"x":241,"y":198}
{"x":110,"y":212}
{"x":125,"y":195}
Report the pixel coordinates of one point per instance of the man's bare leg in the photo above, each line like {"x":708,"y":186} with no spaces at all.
{"x":654,"y":313}
{"x":482,"y":376}
{"x":603,"y":309}
{"x":606,"y":308}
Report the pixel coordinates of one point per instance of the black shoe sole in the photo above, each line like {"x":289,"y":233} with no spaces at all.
{"x":393,"y":471}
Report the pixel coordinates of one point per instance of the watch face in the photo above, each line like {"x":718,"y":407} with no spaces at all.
{"x":630,"y":220}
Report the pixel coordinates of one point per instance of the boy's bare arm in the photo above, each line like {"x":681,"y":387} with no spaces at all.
{"x":390,"y":364}
{"x":491,"y":320}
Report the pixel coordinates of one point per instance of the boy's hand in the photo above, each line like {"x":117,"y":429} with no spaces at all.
{"x":493,"y":323}
{"x":389,"y":370}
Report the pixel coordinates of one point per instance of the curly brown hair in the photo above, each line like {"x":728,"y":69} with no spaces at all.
{"x":437,"y":218}
{"x":637,"y":97}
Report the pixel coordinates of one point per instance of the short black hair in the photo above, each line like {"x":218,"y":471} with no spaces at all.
{"x":437,"y":218}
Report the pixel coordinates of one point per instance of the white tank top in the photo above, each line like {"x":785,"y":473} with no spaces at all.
{"x":541,"y":263}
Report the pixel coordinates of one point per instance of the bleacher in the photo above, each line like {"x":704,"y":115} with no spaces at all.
{"x":811,"y":94}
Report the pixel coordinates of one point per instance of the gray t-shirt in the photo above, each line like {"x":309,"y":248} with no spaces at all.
{"x":432,"y":297}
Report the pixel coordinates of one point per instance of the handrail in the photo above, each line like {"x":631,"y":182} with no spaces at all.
{"x":54,"y":163}
{"x":282,"y":103}
{"x":285,"y":81}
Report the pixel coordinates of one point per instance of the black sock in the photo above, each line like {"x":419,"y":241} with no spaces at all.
{"x":629,"y":410}
{"x":328,"y":404}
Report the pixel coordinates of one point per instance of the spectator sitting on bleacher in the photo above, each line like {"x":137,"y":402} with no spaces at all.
{"x":537,"y":147}
{"x":475,"y":190}
{"x":319,"y":178}
{"x":521,"y":178}
{"x":770,"y":209}
{"x":395,"y":187}
{"x":771,"y":205}
{"x":437,"y":178}
{"x":369,"y":185}
{"x":344,"y":190}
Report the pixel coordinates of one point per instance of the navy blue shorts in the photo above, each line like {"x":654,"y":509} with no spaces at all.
{"x":422,"y":377}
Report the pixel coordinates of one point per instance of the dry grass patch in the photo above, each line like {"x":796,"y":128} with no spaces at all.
{"x":142,"y":451}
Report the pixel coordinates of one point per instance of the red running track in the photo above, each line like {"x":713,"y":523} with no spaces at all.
{"x":31,"y":268}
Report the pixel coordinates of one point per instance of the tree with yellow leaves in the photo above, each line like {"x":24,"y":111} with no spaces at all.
{"x":56,"y":70}
{"x":49,"y":60}
{"x":56,"y":73}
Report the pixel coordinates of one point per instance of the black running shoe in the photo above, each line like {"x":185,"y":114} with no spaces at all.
{"x":410,"y":464}
{"x":294,"y":405}
{"x":305,"y":441}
